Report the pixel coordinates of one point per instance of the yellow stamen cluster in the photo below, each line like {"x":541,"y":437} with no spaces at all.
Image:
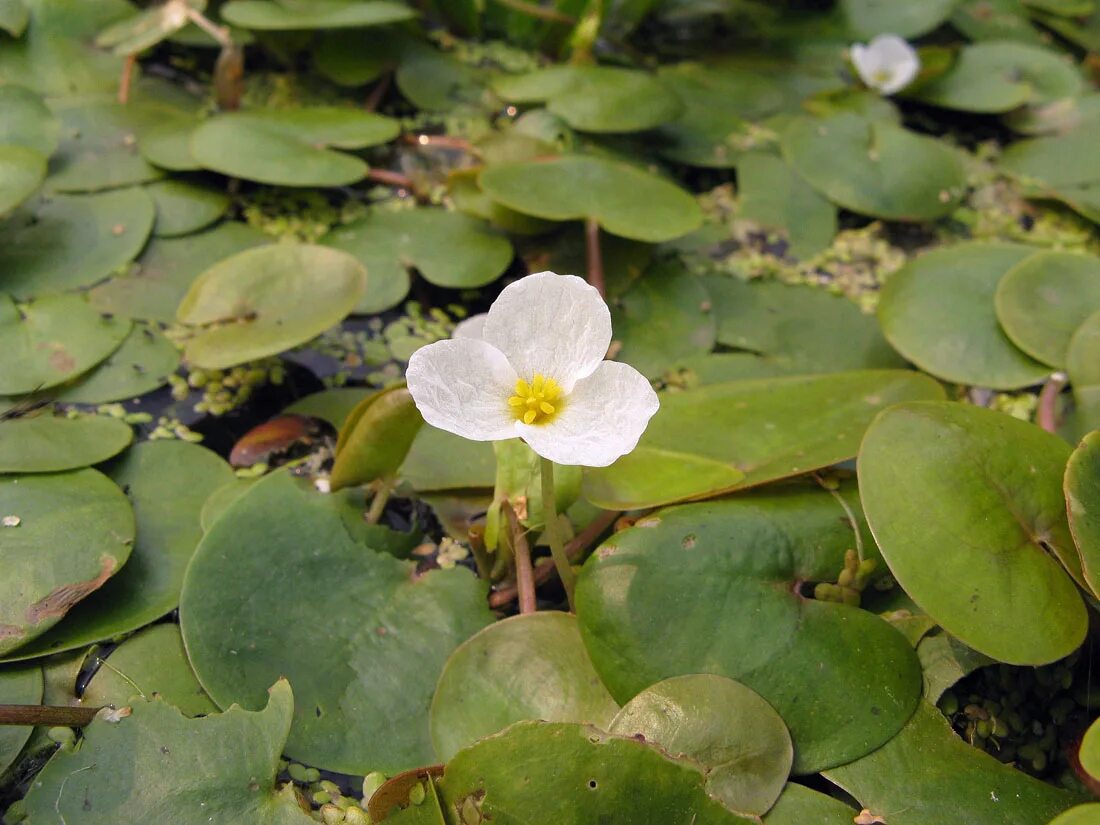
{"x":536,"y":402}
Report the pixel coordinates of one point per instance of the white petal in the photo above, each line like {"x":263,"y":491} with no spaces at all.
{"x":603,"y":418}
{"x":552,"y":324}
{"x":887,"y":64}
{"x":462,"y":386}
{"x":472,"y":327}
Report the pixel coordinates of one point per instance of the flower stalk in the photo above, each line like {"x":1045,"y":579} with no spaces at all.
{"x":553,"y":533}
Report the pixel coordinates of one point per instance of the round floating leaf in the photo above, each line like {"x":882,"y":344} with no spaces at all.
{"x":18,"y":686}
{"x":149,"y":664}
{"x":448,"y":248}
{"x":98,"y":148}
{"x":440,"y":460}
{"x":439,"y":81}
{"x":1061,"y":167}
{"x":333,"y":406}
{"x":798,"y":805}
{"x":26,"y":121}
{"x":22,"y":171}
{"x":154,"y":287}
{"x":596,"y":778}
{"x":773,"y":195}
{"x":664,"y":318}
{"x":724,"y":726}
{"x":1082,"y":488}
{"x":51,"y":340}
{"x":875,"y":167}
{"x":1089,"y":753}
{"x":958,"y":340}
{"x":75,"y":531}
{"x":376,"y":439}
{"x":363,"y":649}
{"x":928,"y":774}
{"x":280,"y":15}
{"x":266,"y":300}
{"x":623,"y":199}
{"x":183,"y":208}
{"x":759,"y":429}
{"x":166,"y":142}
{"x":974,"y":533}
{"x":1087,"y":814}
{"x":867,"y":18}
{"x":157,"y":764}
{"x":71,"y":241}
{"x":805,"y":328}
{"x":1042,"y":300}
{"x":289,"y":147}
{"x":355,"y":58}
{"x":721,"y":106}
{"x":1083,"y":366}
{"x":141,"y":364}
{"x":595,"y":98}
{"x":168,"y":483}
{"x":47,"y":444}
{"x":996,"y":77}
{"x":729,"y":574}
{"x":523,"y":668}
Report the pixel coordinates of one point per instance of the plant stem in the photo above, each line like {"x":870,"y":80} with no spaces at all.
{"x":46,"y":715}
{"x":594,"y":255}
{"x":525,"y":576}
{"x":374,"y":99}
{"x":378,"y":503}
{"x":1047,"y":414}
{"x":852,"y":520}
{"x":476,"y":535}
{"x":127,"y":79}
{"x":219,"y":33}
{"x":553,"y":536}
{"x":388,"y":178}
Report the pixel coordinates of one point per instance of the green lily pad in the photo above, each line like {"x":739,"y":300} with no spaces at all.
{"x":14,"y":16}
{"x":350,"y":57}
{"x":290,"y":147}
{"x":868,"y":18}
{"x":440,"y":460}
{"x":149,"y":664}
{"x":958,"y":340}
{"x":153,"y":288}
{"x":938,"y":484}
{"x":22,"y":171}
{"x":166,"y":141}
{"x":945,"y":660}
{"x":98,"y":148}
{"x":1083,"y":367}
{"x":71,"y":241}
{"x":721,"y":105}
{"x":266,"y":300}
{"x":928,"y":775}
{"x":18,"y":686}
{"x":1082,"y":489}
{"x":1089,"y":752}
{"x":439,"y":82}
{"x":758,"y":428}
{"x":980,"y":20}
{"x":623,"y":199}
{"x":725,"y":727}
{"x":157,"y":763}
{"x":52,"y":340}
{"x":1042,"y":300}
{"x":806,"y":328}
{"x":25,"y":120}
{"x":448,"y":248}
{"x":995,"y":77}
{"x":523,"y":668}
{"x":75,"y":531}
{"x":333,"y":406}
{"x":596,"y":778}
{"x":798,"y":805}
{"x":148,"y":27}
{"x":364,"y":684}
{"x":875,"y":167}
{"x":48,"y":444}
{"x":843,"y":680}
{"x":289,"y":15}
{"x":184,"y":208}
{"x":141,"y":364}
{"x":1061,"y":167}
{"x":773,"y":195}
{"x":1087,"y":814}
{"x":663,"y":319}
{"x":595,"y":98}
{"x":167,"y":482}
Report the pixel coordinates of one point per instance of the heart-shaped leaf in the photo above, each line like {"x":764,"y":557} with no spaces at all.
{"x":730,"y":572}
{"x":868,"y":18}
{"x":183,"y":208}
{"x":22,"y":171}
{"x":74,"y":532}
{"x":974,"y":533}
{"x":142,"y":363}
{"x":266,"y":300}
{"x":1061,"y":167}
{"x":48,"y":444}
{"x":774,"y":195}
{"x":364,"y":685}
{"x":25,"y":120}
{"x":523,"y":668}
{"x":288,"y":15}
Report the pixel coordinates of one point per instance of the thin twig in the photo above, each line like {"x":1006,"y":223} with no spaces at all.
{"x":574,"y":549}
{"x":127,"y":79}
{"x":219,"y":33}
{"x":525,"y":578}
{"x":594,"y":255}
{"x":1047,"y":414}
{"x":51,"y":715}
{"x":552,"y":15}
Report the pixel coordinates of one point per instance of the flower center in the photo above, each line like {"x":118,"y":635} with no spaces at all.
{"x":537,"y":401}
{"x":883,"y":76}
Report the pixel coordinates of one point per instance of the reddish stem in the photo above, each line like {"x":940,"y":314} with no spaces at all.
{"x":50,"y":715}
{"x":525,"y":577}
{"x":1047,"y":415}
{"x":127,"y":79}
{"x":440,"y":141}
{"x":374,"y":99}
{"x":389,"y":178}
{"x":594,"y":255}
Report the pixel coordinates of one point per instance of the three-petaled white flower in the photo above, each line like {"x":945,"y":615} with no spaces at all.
{"x":537,"y":371}
{"x":887,"y":64}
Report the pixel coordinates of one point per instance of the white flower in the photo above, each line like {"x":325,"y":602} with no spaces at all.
{"x":537,"y":372}
{"x":472,"y":327}
{"x":887,"y":64}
